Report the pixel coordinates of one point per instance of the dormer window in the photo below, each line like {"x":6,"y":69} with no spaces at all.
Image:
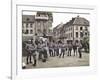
{"x":27,"y":19}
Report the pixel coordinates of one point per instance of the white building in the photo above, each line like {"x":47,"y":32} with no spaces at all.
{"x":74,"y":30}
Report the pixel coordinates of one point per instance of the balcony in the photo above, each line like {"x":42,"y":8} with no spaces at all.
{"x":41,"y":17}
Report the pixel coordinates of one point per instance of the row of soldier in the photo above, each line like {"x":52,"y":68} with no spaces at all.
{"x":46,"y":49}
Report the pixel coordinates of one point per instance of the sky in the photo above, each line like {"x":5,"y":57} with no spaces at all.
{"x":59,"y":18}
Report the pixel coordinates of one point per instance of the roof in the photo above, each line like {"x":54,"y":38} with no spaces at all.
{"x":77,"y":21}
{"x":44,"y":12}
{"x":81,"y":21}
{"x":28,"y":18}
{"x":58,"y":26}
{"x":50,"y":15}
{"x":70,"y":22}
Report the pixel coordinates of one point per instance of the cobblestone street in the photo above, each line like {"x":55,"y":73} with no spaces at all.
{"x":67,"y":61}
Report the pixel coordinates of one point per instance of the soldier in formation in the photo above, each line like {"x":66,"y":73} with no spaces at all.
{"x":59,"y":49}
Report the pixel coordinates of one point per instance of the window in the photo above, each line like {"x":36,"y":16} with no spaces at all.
{"x":81,"y":34}
{"x":27,"y":31}
{"x":71,"y":34}
{"x":86,"y":34}
{"x":27,"y":19}
{"x":31,"y":25}
{"x":76,"y":34}
{"x":31,"y":31}
{"x":27,"y":25}
{"x":81,"y":28}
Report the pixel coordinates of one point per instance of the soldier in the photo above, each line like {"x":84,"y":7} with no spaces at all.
{"x":62,"y":50}
{"x":28,"y":55}
{"x":69,"y":49}
{"x":55,"y":49}
{"x":75,"y":48}
{"x":59,"y":46}
{"x":33,"y":51}
{"x":66,"y":48}
{"x":39,"y":49}
{"x":50,"y":49}
{"x":44,"y":52}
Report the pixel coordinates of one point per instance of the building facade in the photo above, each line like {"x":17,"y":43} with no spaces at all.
{"x":43,"y":21}
{"x":57,"y":31}
{"x":75,"y":30}
{"x":28,"y":26}
{"x":38,"y":24}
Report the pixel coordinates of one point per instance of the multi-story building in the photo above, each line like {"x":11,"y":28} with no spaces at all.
{"x":75,"y":30}
{"x":57,"y":31}
{"x":43,"y":21}
{"x":39,"y":24}
{"x":28,"y":26}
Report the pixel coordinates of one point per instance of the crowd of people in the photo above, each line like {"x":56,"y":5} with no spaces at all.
{"x":46,"y":49}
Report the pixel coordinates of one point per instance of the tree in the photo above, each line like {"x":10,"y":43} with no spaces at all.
{"x":85,"y":44}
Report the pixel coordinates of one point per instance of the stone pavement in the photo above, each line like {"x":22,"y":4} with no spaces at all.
{"x":67,"y":61}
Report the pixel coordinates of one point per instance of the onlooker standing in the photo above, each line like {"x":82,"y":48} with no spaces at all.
{"x":79,"y":50}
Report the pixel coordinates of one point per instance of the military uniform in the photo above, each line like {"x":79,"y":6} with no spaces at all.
{"x":50,"y":49}
{"x":69,"y":49}
{"x":75,"y":49}
{"x":31,"y":52}
{"x":55,"y":49}
{"x":63,"y":48}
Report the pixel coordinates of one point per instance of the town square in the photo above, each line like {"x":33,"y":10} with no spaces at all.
{"x":50,"y":43}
